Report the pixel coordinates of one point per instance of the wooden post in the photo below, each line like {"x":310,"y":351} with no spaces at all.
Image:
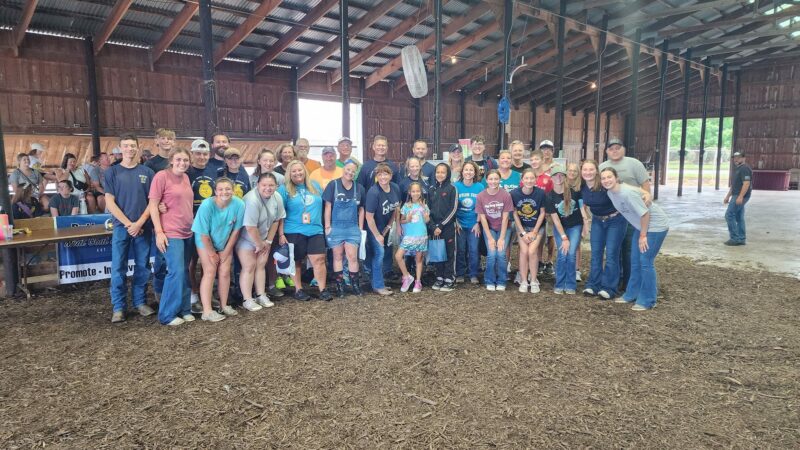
{"x":661,"y":113}
{"x":9,"y":255}
{"x":533,"y":126}
{"x":294,"y":97}
{"x":702,"y":150}
{"x":508,"y":19}
{"x":462,"y":106}
{"x":723,"y":90}
{"x":734,"y":148}
{"x":437,"y":77}
{"x":344,"y":48}
{"x":209,"y":82}
{"x":599,"y":91}
{"x":687,"y":78}
{"x":558,"y":133}
{"x":94,"y":109}
{"x":630,"y":139}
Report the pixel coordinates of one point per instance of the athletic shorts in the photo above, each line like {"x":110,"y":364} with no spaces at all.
{"x":306,"y":245}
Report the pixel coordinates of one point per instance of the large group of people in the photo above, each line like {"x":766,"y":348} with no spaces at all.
{"x":341,"y":219}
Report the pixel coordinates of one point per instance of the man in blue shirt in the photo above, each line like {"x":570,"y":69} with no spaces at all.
{"x":741,"y":187}
{"x":380,"y":147}
{"x":127,"y":187}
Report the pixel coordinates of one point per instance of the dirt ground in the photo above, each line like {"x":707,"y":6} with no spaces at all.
{"x":716,"y":364}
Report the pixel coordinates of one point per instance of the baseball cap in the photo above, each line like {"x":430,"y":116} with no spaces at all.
{"x":345,"y":139}
{"x":37,"y":147}
{"x":328,"y":150}
{"x":200,"y":145}
{"x":739,"y":154}
{"x":232,"y":151}
{"x":614,"y":142}
{"x":557,"y":168}
{"x":281,"y":256}
{"x":116,"y":151}
{"x":455,"y":148}
{"x":546,"y":143}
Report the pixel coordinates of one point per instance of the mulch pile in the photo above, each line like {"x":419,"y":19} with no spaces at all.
{"x":716,"y":364}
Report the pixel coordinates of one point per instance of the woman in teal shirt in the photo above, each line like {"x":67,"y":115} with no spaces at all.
{"x":468,"y":231}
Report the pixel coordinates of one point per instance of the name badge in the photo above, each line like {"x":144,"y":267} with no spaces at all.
{"x":306,"y":218}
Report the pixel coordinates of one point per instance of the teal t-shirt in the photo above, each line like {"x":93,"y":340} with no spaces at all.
{"x":217,"y":223}
{"x":416,"y":227}
{"x":304,"y":202}
{"x":512,"y":182}
{"x":467,"y":199}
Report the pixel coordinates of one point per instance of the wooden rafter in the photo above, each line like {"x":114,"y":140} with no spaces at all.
{"x":244,"y":30}
{"x":788,"y":12}
{"x":174,"y":29}
{"x":694,"y":8}
{"x":456,"y":24}
{"x":119,"y":10}
{"x":488,"y":52}
{"x":22,"y":26}
{"x":578,"y":55}
{"x":742,"y":48}
{"x":738,"y":37}
{"x":310,"y":19}
{"x":358,"y":26}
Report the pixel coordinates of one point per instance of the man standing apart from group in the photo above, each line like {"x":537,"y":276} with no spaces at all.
{"x":741,"y":187}
{"x":127,"y":188}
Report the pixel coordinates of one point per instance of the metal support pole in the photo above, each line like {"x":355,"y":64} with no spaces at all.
{"x":417,"y":119}
{"x":687,"y":79}
{"x":9,"y":255}
{"x":723,"y":91}
{"x":344,"y":47}
{"x":437,"y":77}
{"x":362,"y":91}
{"x":630,"y":139}
{"x":608,"y":133}
{"x":661,"y":113}
{"x":209,"y":82}
{"x":462,"y":106}
{"x":533,"y":125}
{"x":94,"y":110}
{"x":295,"y":99}
{"x":738,"y":90}
{"x":599,"y":92}
{"x":585,"y":134}
{"x":558,"y":133}
{"x":702,"y":151}
{"x":508,"y":20}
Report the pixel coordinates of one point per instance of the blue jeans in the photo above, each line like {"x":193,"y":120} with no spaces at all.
{"x":625,"y":256}
{"x":177,"y":290}
{"x":734,"y":215}
{"x":121,"y":244}
{"x":378,"y":254}
{"x":565,"y":264}
{"x":606,"y":238}
{"x":643,"y":284}
{"x":496,"y":263}
{"x":468,"y":258}
{"x":159,"y":270}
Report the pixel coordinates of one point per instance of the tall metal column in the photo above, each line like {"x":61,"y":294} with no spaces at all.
{"x":702,"y":151}
{"x":687,"y":79}
{"x":9,"y":255}
{"x":558,"y":133}
{"x":508,"y":19}
{"x":734,"y":148}
{"x":294,"y":96}
{"x":344,"y":47}
{"x":723,"y":90}
{"x":417,"y":119}
{"x":209,"y":81}
{"x":462,"y":106}
{"x":437,"y":77}
{"x":599,"y":91}
{"x":533,"y":125}
{"x":630,"y":138}
{"x":94,"y":110}
{"x":608,"y":132}
{"x":585,"y":134}
{"x":661,"y":113}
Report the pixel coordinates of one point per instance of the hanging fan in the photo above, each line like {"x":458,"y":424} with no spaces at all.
{"x":414,"y":71}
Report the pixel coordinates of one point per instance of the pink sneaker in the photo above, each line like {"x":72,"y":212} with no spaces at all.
{"x":407,"y":281}
{"x":418,"y":286}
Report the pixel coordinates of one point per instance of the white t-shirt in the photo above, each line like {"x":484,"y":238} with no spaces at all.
{"x":261,"y":213}
{"x":628,"y":201}
{"x":629,"y":170}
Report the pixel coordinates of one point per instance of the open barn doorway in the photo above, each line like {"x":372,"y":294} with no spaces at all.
{"x":321,"y":124}
{"x":692,"y":161}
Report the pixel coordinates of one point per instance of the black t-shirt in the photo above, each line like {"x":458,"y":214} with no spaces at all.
{"x":741,"y":174}
{"x":203,"y":184}
{"x":571,"y":218}
{"x":157,"y":163}
{"x":520,"y":169}
{"x":597,"y":201}
{"x":383,"y":204}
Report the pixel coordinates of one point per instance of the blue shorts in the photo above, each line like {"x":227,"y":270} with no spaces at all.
{"x":339,"y":235}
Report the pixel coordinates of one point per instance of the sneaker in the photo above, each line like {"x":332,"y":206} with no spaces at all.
{"x":578,"y":276}
{"x":407,"y":282}
{"x":542,"y":267}
{"x":549,"y":269}
{"x":500,"y":287}
{"x":417,"y":287}
{"x":301,"y":295}
{"x":518,"y":280}
{"x":491,"y":287}
{"x":213,"y":316}
{"x":175,"y":322}
{"x":438,"y":284}
{"x":289,"y":281}
{"x":448,"y":286}
{"x":215,"y":303}
{"x":274,"y":292}
{"x":118,"y":317}
{"x":251,"y":305}
{"x":188,"y":318}
{"x":730,"y":243}
{"x":229,"y":311}
{"x":523,"y":287}
{"x":459,"y":279}
{"x":535,"y":287}
{"x":195,"y":298}
{"x":588,"y":292}
{"x":263,"y":300}
{"x":474,"y":280}
{"x":638,"y":307}
{"x":279,"y":284}
{"x":326,"y":296}
{"x":383,"y":292}
{"x":604,"y":295}
{"x":558,"y":291}
{"x":145,"y":310}
{"x":197,"y":308}
{"x":569,"y":291}
{"x":621,"y":300}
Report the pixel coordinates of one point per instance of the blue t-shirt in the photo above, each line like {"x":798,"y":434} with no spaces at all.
{"x":130,"y":188}
{"x":512,"y":182}
{"x":304,"y":202}
{"x":203,"y":184}
{"x":217,"y":223}
{"x":416,"y":226}
{"x":467,"y":199}
{"x":528,"y":206}
{"x":241,"y":180}
{"x":344,"y":203}
{"x":597,"y":201}
{"x":366,"y":176}
{"x":383,"y":204}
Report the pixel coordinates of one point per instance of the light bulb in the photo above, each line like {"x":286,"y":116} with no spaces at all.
{"x":453,"y":59}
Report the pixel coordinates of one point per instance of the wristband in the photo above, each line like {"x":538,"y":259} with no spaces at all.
{"x":564,"y":236}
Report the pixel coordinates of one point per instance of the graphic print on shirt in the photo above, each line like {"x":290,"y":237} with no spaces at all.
{"x":204,"y":189}
{"x":560,"y":207}
{"x":467,"y":201}
{"x":527,"y":209}
{"x":389,"y":207}
{"x":494,"y":209}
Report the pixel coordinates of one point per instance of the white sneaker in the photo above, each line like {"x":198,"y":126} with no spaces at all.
{"x":558,"y":291}
{"x":518,"y":280}
{"x":500,"y":287}
{"x":251,"y":305}
{"x":535,"y":287}
{"x":523,"y":287}
{"x":213,"y":316}
{"x":621,"y":300}
{"x":490,"y":287}
{"x":474,"y":280}
{"x":578,"y":276}
{"x":263,"y":300}
{"x":569,"y":291}
{"x":604,"y":295}
{"x":195,"y":298}
{"x":188,"y":318}
{"x":229,"y":311}
{"x":175,"y":322}
{"x":639,"y":308}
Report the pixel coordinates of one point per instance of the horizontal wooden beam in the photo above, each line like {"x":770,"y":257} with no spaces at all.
{"x":119,"y":10}
{"x":244,"y":30}
{"x":175,"y":27}
{"x":788,"y":12}
{"x":22,"y":26}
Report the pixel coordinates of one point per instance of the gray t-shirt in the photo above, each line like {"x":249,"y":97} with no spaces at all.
{"x":17,"y":177}
{"x":628,"y":201}
{"x":278,"y":177}
{"x":261,"y":213}
{"x":629,"y":170}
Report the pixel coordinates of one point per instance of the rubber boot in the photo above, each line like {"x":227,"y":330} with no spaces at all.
{"x":355,"y":283}
{"x":339,"y":280}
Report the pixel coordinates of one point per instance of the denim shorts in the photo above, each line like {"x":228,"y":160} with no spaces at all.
{"x":340,"y":235}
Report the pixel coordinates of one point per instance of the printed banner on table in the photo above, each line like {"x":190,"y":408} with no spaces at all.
{"x":86,"y":259}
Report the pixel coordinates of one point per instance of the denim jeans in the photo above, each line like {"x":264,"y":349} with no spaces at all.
{"x":565,"y":264}
{"x":496,"y":263}
{"x":468,"y":258}
{"x":378,"y":254}
{"x":734,"y":215}
{"x":159,"y":271}
{"x":606,"y":238}
{"x":625,"y":256}
{"x":643,"y":284}
{"x":121,"y":244}
{"x":177,"y":290}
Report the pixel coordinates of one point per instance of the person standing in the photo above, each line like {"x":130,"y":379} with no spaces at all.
{"x":468,"y":258}
{"x":328,"y":171}
{"x":740,"y":190}
{"x":529,"y":214}
{"x":413,"y":174}
{"x":345,"y":148}
{"x":443,"y":204}
{"x":548,"y":150}
{"x":420,"y":151}
{"x":127,"y":189}
{"x":566,"y":210}
{"x":302,"y":147}
{"x":382,"y":205}
{"x":344,"y":219}
{"x":380,"y":147}
{"x":286,"y":154}
{"x":202,"y":178}
{"x":173,"y":231}
{"x":80,"y":181}
{"x":219,"y":144}
{"x":234,"y":171}
{"x":493,"y":207}
{"x":165,"y":141}
{"x":455,"y":159}
{"x":265,"y":163}
{"x":413,"y":216}
{"x":509,"y":178}
{"x":517,"y":154}
{"x":478,"y":148}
